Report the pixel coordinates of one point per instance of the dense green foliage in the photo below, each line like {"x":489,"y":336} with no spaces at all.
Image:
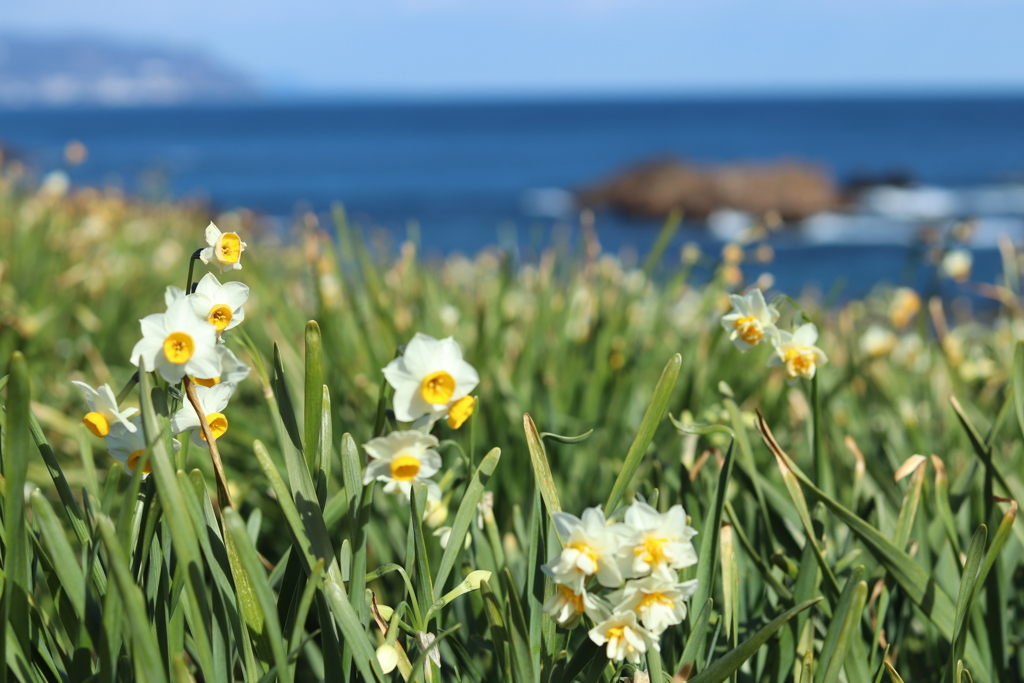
{"x":815,"y":563}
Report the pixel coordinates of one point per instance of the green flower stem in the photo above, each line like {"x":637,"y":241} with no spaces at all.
{"x":191,"y":267}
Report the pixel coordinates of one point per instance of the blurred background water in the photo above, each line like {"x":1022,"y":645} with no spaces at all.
{"x":476,"y":173}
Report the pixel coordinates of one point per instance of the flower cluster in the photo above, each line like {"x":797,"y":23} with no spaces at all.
{"x":185,"y":340}
{"x":752,"y":321}
{"x":639,"y":560}
{"x":431,"y":381}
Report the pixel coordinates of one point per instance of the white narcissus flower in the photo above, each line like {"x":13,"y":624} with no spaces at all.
{"x":430,"y":379}
{"x":176,"y":343}
{"x":662,"y":543}
{"x":103,"y":411}
{"x":906,"y":303}
{"x":566,"y":606}
{"x":624,"y":638}
{"x":957,"y":264}
{"x":232,"y":370}
{"x":128,"y":446}
{"x":402,"y":459}
{"x":658,"y":602}
{"x":213,"y":400}
{"x":750,"y":321}
{"x":225,"y":249}
{"x":877,"y":341}
{"x":221,"y":305}
{"x":593,"y":547}
{"x":796,"y":351}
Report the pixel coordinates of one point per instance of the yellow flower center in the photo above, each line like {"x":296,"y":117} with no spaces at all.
{"x":799,"y":362}
{"x":571,"y":598}
{"x":133,"y":460}
{"x":405,"y":468}
{"x":437,"y":387}
{"x":97,"y":424}
{"x":616,"y":634}
{"x":220,"y":317}
{"x":179,"y":347}
{"x":583,"y":549}
{"x":749,"y":329}
{"x":218,"y":425}
{"x":654,"y":600}
{"x":228,"y":248}
{"x":651,"y":550}
{"x":213,"y":381}
{"x":460,"y":411}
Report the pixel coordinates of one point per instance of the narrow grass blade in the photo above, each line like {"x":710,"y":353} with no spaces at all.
{"x":463,"y":518}
{"x":65,"y":564}
{"x":313,"y":403}
{"x":182,"y":535}
{"x":911,"y":501}
{"x":836,"y":625}
{"x":942,"y":504}
{"x":234,"y":526}
{"x":893,"y":676}
{"x":424,"y":588}
{"x":1018,"y":383}
{"x":843,"y":651}
{"x":17,"y":450}
{"x":325,"y":446}
{"x":541,"y":467}
{"x":915,"y":581}
{"x":968,"y":584}
{"x":1002,"y":533}
{"x":695,"y":641}
{"x":285,"y":405}
{"x":668,"y":230}
{"x":725,"y":666}
{"x":709,"y":536}
{"x":146,"y":659}
{"x":655,"y":412}
{"x":355,"y":637}
{"x":499,"y":632}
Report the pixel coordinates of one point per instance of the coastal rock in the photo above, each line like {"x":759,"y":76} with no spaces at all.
{"x":794,"y":190}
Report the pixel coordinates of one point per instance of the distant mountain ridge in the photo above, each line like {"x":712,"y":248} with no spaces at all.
{"x":82,"y":70}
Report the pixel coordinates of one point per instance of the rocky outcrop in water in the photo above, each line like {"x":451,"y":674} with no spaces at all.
{"x":794,"y":190}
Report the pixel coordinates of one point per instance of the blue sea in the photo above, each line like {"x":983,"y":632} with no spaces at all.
{"x":477,"y":173}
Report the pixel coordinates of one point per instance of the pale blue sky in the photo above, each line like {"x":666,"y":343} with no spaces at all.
{"x":439,"y":47}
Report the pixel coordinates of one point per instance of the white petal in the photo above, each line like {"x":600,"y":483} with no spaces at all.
{"x":204,"y":363}
{"x":236,"y":318}
{"x":171,"y":372}
{"x":421,"y":355}
{"x":212,"y":234}
{"x":172,"y":294}
{"x":409,"y":404}
{"x":184,"y":419}
{"x":201,"y":305}
{"x":90,"y":394}
{"x":565,"y":523}
{"x":806,"y":334}
{"x":153,"y":326}
{"x":758,"y":306}
{"x":217,"y":397}
{"x":208,"y":286}
{"x":148,"y":349}
{"x":233,"y":295}
{"x":430,"y":463}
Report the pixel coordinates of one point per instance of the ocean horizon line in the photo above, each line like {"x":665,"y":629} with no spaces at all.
{"x":271,"y":97}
